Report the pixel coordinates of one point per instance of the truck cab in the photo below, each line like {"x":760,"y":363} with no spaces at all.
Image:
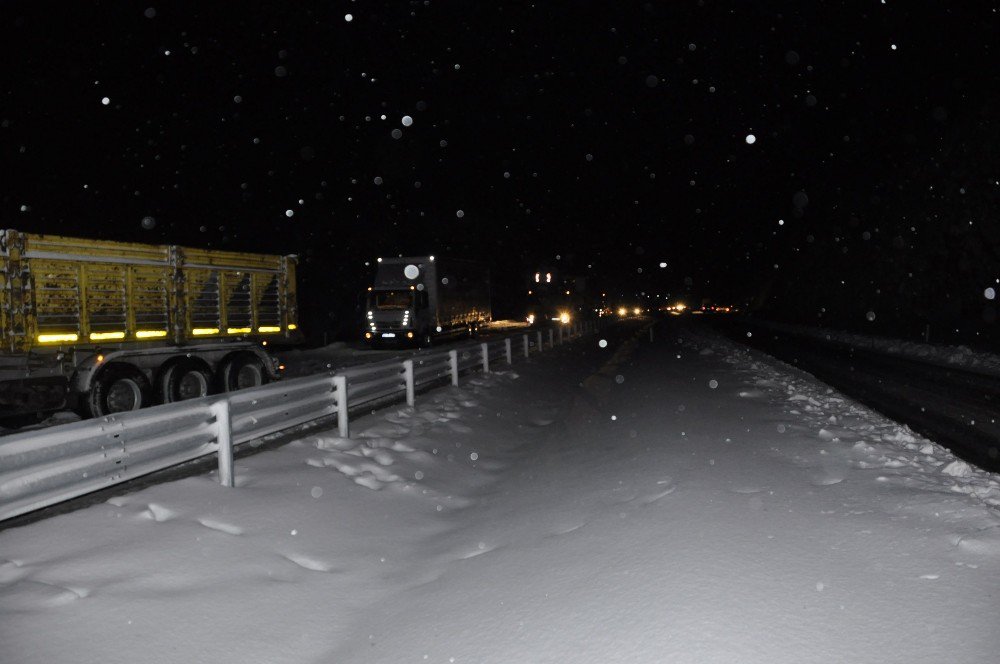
{"x":396,"y":314}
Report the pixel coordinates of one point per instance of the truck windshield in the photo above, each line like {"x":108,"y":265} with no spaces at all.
{"x":395,"y":299}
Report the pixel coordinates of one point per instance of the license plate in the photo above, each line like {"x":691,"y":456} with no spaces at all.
{"x":388,"y":335}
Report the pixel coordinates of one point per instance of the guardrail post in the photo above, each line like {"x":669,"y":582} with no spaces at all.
{"x":551,"y":343}
{"x":560,"y":335}
{"x":507,"y":349}
{"x":651,"y":334}
{"x":408,"y":376}
{"x":224,"y":436}
{"x":539,"y":344}
{"x":486,"y":357}
{"x":340,"y":390}
{"x":453,"y":365}
{"x":526,"y":345}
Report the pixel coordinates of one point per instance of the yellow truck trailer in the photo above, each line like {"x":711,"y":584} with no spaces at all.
{"x":113,"y":326}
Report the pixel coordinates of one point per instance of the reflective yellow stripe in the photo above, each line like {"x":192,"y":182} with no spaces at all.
{"x":201,"y":331}
{"x":150,"y":334}
{"x":100,"y":336}
{"x":268,"y":328}
{"x":52,"y":338}
{"x":293,"y":326}
{"x":238,"y":330}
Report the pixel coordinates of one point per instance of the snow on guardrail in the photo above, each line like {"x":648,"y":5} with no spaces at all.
{"x":43,"y":467}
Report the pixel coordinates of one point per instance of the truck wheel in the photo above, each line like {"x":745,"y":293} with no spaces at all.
{"x":186,"y":379}
{"x":118,"y":388}
{"x":241,"y":372}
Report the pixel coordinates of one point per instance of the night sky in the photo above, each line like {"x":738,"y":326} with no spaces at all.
{"x":599,"y":138}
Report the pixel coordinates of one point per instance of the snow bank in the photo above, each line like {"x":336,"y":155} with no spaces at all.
{"x":950,"y":356}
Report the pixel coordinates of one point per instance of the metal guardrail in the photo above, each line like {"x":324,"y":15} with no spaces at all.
{"x":47,"y":466}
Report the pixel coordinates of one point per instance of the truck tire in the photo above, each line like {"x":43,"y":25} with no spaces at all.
{"x":185,"y":379}
{"x":118,"y":388}
{"x":241,"y":372}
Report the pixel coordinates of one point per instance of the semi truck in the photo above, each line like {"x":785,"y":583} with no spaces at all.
{"x":554,"y":298}
{"x":105,"y":327}
{"x":420,"y":299}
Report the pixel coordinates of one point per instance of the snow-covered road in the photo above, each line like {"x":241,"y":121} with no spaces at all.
{"x":675,"y":501}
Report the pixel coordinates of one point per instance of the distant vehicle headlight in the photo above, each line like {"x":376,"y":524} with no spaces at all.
{"x":637,"y":311}
{"x":531,"y":319}
{"x":563,"y":317}
{"x":622,"y":311}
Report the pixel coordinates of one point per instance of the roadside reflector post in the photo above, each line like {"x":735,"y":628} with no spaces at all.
{"x":485,"y":348}
{"x":507,"y":349}
{"x":340,"y":393}
{"x":453,"y":365}
{"x":551,"y":343}
{"x":408,"y":377}
{"x":560,"y":335}
{"x":539,"y":344}
{"x":526,"y":345}
{"x":224,"y":436}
